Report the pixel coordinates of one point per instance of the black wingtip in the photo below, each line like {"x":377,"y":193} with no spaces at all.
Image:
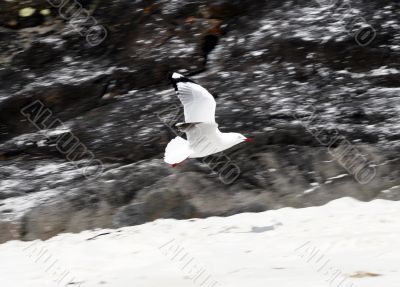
{"x":173,"y":81}
{"x":178,"y":78}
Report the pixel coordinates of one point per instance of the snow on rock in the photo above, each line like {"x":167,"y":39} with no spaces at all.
{"x":344,"y":241}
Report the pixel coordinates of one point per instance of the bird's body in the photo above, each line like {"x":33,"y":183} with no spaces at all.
{"x":203,"y":135}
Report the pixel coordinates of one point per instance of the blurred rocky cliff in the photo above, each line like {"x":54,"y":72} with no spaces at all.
{"x":272,"y":64}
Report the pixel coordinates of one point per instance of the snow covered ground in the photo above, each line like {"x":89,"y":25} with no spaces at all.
{"x":344,"y":243}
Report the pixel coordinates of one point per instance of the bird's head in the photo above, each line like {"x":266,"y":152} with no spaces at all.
{"x":239,"y":138}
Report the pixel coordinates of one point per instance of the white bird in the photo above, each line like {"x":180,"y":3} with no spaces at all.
{"x":203,"y":135}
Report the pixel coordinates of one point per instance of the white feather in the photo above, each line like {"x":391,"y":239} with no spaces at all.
{"x":177,"y":151}
{"x":199,"y":105}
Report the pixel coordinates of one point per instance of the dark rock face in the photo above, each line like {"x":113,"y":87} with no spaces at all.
{"x":290,"y":74}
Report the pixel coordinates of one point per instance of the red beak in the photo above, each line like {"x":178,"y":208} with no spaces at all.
{"x":248,"y":140}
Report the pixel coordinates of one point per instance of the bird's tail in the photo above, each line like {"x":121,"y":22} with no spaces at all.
{"x":177,"y":151}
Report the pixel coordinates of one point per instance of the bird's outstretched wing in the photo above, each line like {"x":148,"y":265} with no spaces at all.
{"x":199,"y":105}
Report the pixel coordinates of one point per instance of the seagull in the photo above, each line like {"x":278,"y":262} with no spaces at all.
{"x":203,"y":135}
